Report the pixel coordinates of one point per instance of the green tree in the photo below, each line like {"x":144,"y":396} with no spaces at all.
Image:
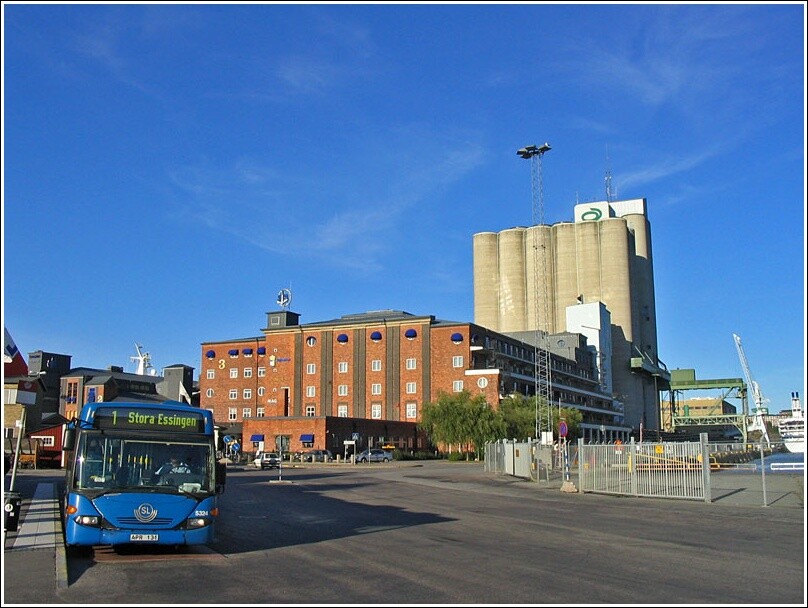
{"x":519,"y":415}
{"x":461,"y":420}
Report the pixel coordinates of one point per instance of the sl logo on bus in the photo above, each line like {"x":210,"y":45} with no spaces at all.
{"x":145,"y":513}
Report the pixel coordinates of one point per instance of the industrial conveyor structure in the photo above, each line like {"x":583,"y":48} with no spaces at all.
{"x":685,"y":380}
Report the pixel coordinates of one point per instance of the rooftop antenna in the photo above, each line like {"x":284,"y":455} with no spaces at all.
{"x":608,"y":177}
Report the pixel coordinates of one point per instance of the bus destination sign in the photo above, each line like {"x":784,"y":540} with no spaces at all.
{"x":149,"y":419}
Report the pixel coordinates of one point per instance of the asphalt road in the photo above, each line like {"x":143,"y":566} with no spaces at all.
{"x":449,"y":533}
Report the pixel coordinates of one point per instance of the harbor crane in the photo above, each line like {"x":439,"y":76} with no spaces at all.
{"x":759,"y":423}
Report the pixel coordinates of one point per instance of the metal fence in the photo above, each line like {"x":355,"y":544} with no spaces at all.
{"x":660,"y":470}
{"x":732,"y":472}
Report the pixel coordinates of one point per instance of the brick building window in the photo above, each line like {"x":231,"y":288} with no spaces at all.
{"x":376,"y":389}
{"x":411,"y":388}
{"x":457,"y":386}
{"x":411,"y":363}
{"x":342,"y":390}
{"x":457,"y":361}
{"x":248,"y":393}
{"x":342,"y":367}
{"x":376,"y":410}
{"x":376,"y":365}
{"x":234,"y":393}
{"x":211,"y":374}
{"x":311,"y":368}
{"x":412,"y":409}
{"x":248,"y":372}
{"x":342,"y":411}
{"x":234,"y":372}
{"x":209,"y":392}
{"x":259,"y":412}
{"x":310,"y":409}
{"x":262,"y":372}
{"x":246,"y":412}
{"x":232,"y":413}
{"x":310,"y":391}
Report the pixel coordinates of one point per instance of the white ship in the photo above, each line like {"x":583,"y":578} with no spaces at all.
{"x":792,"y":428}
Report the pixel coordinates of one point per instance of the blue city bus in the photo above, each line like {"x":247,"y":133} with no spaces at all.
{"x":117,"y":491}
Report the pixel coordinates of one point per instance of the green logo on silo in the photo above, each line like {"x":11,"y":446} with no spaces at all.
{"x":594,"y":214}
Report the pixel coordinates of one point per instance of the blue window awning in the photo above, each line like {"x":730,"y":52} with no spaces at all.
{"x":262,"y":350}
{"x":246,"y":351}
{"x":233,"y":352}
{"x":307,"y":438}
{"x":210,"y":354}
{"x":257,"y":438}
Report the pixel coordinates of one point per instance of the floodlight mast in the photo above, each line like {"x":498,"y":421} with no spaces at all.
{"x":541,"y":356}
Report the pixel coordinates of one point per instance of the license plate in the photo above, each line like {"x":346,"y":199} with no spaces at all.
{"x":140,"y":538}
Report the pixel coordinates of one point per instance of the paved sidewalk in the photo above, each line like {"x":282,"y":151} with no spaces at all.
{"x":34,"y":557}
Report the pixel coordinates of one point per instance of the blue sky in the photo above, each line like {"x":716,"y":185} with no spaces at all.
{"x":167,"y":169}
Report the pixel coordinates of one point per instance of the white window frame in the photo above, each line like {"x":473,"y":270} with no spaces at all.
{"x":211,"y":374}
{"x":311,"y":391}
{"x":209,"y":393}
{"x":412,"y":410}
{"x":261,"y":390}
{"x":259,"y":412}
{"x":457,"y":386}
{"x":412,"y":388}
{"x":376,"y":365}
{"x":247,"y":393}
{"x":342,"y":367}
{"x":233,"y":393}
{"x":262,"y":372}
{"x":411,"y":363}
{"x":342,"y":411}
{"x":457,"y":361}
{"x":234,"y":372}
{"x":248,"y":372}
{"x":311,"y":411}
{"x":232,"y":413}
{"x":376,"y":388}
{"x":311,"y":368}
{"x":376,"y":410}
{"x":246,"y":412}
{"x":342,"y":390}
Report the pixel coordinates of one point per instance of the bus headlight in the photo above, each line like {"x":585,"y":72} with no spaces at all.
{"x":88,"y":520}
{"x":197,"y":522}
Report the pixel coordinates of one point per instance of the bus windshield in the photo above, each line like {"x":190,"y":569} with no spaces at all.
{"x":104,"y":461}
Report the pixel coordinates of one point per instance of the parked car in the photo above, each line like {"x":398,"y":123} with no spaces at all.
{"x":374,"y":455}
{"x":267,"y":460}
{"x":317,"y":456}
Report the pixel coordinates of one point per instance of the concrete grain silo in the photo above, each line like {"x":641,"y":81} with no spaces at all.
{"x":540,"y":268}
{"x":603,"y":256}
{"x":486,"y":278}
{"x":512,"y":284}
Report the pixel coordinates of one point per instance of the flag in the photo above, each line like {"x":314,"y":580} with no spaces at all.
{"x":13,"y":363}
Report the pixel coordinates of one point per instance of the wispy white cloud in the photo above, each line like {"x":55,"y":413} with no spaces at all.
{"x":248,"y":201}
{"x":667,"y":167}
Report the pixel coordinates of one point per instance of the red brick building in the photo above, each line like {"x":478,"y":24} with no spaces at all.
{"x":365,"y":378}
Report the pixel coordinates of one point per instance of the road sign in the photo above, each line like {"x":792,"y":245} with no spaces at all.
{"x":562,"y":429}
